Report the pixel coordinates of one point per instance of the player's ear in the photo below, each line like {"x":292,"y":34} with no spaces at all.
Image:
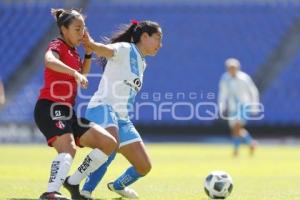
{"x":144,"y":36}
{"x":63,"y":30}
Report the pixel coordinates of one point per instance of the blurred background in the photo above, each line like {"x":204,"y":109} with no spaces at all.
{"x":179,"y":94}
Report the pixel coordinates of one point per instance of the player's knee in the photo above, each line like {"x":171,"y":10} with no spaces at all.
{"x":109,"y":146}
{"x":70,"y":150}
{"x":145,"y":168}
{"x":65,"y":147}
{"x":112,"y":145}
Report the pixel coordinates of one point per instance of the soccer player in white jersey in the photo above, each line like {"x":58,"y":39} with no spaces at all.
{"x":239,"y":98}
{"x":122,"y":79}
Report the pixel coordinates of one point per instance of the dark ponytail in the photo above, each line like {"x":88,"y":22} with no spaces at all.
{"x":65,"y":17}
{"x":124,"y":35}
{"x":133,"y":32}
{"x":57,"y":12}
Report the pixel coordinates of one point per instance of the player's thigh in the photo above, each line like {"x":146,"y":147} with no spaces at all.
{"x":90,"y":134}
{"x":104,"y":116}
{"x":114,"y":131}
{"x":53,"y":120}
{"x":95,"y":136}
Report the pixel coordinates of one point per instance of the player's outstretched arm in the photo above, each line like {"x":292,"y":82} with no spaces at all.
{"x":52,"y":61}
{"x":100,"y":49}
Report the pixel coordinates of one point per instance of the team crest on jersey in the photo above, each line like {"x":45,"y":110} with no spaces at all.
{"x":59,"y":124}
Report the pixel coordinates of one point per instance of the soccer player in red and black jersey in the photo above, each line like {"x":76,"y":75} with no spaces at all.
{"x":54,"y":114}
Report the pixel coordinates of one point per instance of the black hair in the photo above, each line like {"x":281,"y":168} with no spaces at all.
{"x":133,"y":32}
{"x":65,"y":17}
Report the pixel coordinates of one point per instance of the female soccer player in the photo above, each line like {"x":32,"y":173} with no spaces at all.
{"x":122,"y":80}
{"x":54,"y":114}
{"x":237,"y":95}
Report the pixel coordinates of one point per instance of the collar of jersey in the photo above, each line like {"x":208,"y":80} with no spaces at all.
{"x":73,"y":48}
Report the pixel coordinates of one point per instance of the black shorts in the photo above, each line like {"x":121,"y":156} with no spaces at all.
{"x":54,"y":119}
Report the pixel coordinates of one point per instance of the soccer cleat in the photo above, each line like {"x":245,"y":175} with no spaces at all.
{"x":74,"y":190}
{"x":126,"y":192}
{"x":52,"y":196}
{"x":86,"y":194}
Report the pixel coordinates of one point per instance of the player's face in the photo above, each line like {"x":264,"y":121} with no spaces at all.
{"x":232,"y":70}
{"x":74,"y":33}
{"x":153,"y":43}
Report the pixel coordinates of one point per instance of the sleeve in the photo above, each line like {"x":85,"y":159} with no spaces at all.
{"x":56,"y":46}
{"x":222,"y":96}
{"x":119,"y":50}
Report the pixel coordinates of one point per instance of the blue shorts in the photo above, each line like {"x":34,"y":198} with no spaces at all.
{"x":238,"y":116}
{"x":105,"y":116}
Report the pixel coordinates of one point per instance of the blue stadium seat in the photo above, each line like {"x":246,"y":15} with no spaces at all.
{"x":281,"y":99}
{"x":197,"y":39}
{"x":28,"y":23}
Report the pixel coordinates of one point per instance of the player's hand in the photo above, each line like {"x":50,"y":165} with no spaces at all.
{"x":81,"y":79}
{"x":86,"y":41}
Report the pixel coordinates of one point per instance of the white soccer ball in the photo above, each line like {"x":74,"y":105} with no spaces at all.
{"x":218,"y":185}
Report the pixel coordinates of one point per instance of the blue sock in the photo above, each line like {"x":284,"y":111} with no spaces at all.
{"x":129,"y":177}
{"x":94,"y":178}
{"x":247,"y":138}
{"x":236,"y":142}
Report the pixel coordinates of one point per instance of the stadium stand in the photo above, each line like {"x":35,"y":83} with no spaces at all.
{"x":20,"y":108}
{"x":197,"y":40}
{"x":281,"y":99}
{"x":27,"y":24}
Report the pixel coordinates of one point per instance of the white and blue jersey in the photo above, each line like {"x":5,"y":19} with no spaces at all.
{"x":121,"y":81}
{"x":235,"y":94}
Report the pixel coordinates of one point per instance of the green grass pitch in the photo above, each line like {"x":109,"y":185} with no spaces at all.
{"x":177,"y":174}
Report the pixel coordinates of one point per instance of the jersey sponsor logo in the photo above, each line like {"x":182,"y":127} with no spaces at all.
{"x":59,"y":124}
{"x":136,"y":84}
